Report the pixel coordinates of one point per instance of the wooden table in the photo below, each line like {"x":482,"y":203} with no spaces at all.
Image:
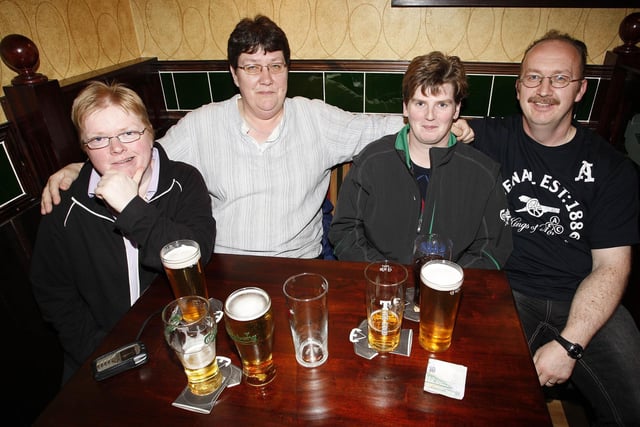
{"x":501,"y":387}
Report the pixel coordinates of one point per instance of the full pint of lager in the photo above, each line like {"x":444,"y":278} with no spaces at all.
{"x":190,"y":331}
{"x":441,"y":283}
{"x":181,"y":261}
{"x":249,"y":323}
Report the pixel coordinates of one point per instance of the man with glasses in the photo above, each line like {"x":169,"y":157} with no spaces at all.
{"x":99,"y":249}
{"x":573,"y":204}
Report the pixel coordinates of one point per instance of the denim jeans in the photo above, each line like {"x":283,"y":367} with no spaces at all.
{"x":608,"y":374}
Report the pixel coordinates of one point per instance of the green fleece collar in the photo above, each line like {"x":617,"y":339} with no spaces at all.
{"x":402,"y":143}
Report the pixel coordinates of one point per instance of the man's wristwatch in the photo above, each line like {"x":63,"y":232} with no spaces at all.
{"x":574,"y":350}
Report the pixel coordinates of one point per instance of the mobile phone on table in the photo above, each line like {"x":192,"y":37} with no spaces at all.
{"x":119,"y":360}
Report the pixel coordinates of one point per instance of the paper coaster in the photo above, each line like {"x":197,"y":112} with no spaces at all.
{"x":447,"y":379}
{"x":231,"y":376}
{"x":358,"y":336}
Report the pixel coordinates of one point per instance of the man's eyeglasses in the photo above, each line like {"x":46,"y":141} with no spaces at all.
{"x":557,"y":80}
{"x":126,"y":137}
{"x":275,"y":68}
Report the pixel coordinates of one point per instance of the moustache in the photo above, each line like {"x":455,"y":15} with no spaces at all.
{"x":543,"y":100}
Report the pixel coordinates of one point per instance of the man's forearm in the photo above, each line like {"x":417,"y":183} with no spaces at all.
{"x":598,"y":295}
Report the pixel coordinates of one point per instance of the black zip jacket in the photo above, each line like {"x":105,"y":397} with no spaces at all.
{"x":79,"y":268}
{"x":379,"y":211}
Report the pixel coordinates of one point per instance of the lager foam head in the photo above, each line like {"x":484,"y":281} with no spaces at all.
{"x":181,"y":261}
{"x":247,"y":304}
{"x":441,"y":276}
{"x":181,"y":256}
{"x":249,"y":323}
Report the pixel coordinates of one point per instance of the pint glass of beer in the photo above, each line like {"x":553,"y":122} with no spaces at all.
{"x":191,"y":332}
{"x":249,"y":323}
{"x":385,"y":303}
{"x":439,"y":299}
{"x":181,"y":261}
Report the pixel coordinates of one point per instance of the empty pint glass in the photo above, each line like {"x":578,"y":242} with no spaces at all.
{"x":385,"y":283}
{"x":439,"y":299}
{"x":181,"y":261}
{"x":306,"y":296}
{"x":190,"y":331}
{"x":249,"y":323}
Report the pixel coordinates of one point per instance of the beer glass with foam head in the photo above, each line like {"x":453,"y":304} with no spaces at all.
{"x":385,"y":282}
{"x":428,"y":247}
{"x":249,"y":323}
{"x":181,"y":261}
{"x":191,"y":332}
{"x":441,"y":282}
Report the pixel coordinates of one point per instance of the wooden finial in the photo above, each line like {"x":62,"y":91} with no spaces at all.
{"x":21,"y":55}
{"x":629,"y":32}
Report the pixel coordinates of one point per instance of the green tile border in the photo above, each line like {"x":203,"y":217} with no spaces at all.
{"x":308,"y":84}
{"x":222,"y":86}
{"x":192,"y":89}
{"x":169,"y":91}
{"x":585,"y":106}
{"x":383,"y":93}
{"x":503,"y":96}
{"x":345,"y":90}
{"x":477,"y":102}
{"x":355,"y":91}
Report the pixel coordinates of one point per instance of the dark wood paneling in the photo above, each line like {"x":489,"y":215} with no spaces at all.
{"x":31,"y":354}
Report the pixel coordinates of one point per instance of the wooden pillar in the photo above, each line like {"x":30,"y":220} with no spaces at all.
{"x":623,"y":90}
{"x":35,"y":105}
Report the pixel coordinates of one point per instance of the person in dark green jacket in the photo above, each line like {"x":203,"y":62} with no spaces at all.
{"x":421,"y":181}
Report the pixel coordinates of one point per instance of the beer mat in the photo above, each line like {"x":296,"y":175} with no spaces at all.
{"x":215,"y":307}
{"x":411,"y":310}
{"x":231,"y":376}
{"x":358,"y":336}
{"x":447,"y":379}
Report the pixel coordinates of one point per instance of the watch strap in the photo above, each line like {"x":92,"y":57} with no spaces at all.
{"x":574,"y":350}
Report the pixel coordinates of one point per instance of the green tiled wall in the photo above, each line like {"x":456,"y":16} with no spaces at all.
{"x":368,"y":92}
{"x":384,"y":93}
{"x":222,"y":86}
{"x":309,"y":85}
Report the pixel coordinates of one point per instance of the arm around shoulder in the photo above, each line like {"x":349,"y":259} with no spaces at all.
{"x":61,"y":180}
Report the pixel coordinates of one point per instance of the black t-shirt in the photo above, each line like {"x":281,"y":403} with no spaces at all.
{"x":563,"y":202}
{"x":422,"y":176}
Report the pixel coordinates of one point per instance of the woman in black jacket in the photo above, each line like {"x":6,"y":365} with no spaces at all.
{"x":100,"y":248}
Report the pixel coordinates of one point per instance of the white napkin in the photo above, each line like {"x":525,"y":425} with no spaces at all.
{"x":447,"y":379}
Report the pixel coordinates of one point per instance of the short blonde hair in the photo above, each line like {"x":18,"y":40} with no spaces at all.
{"x":99,"y":95}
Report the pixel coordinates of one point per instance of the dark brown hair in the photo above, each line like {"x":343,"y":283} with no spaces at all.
{"x":433,"y":70}
{"x":251,"y":35}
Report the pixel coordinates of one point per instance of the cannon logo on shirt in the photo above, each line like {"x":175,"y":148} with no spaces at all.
{"x":544,"y":205}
